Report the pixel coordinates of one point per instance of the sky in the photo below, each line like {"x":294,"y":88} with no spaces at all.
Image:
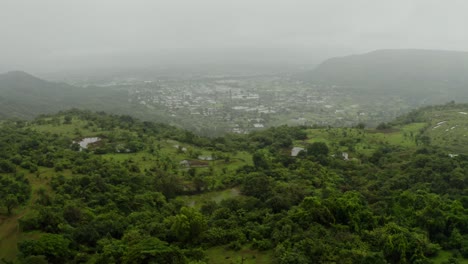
{"x":67,"y":35}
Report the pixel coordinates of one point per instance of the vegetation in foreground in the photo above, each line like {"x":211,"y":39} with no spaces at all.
{"x":151,"y":193}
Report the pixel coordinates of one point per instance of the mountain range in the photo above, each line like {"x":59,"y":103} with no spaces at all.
{"x":419,"y":76}
{"x":24,"y":96}
{"x":396,"y":69}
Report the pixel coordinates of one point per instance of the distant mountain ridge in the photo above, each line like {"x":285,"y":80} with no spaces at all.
{"x":396,"y":69}
{"x":17,"y":75}
{"x":23,"y":95}
{"x":22,"y":82}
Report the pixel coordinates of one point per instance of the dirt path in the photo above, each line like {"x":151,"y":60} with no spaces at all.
{"x":9,"y":235}
{"x":9,"y":226}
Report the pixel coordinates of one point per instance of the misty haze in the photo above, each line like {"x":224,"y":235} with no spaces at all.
{"x":216,"y":131}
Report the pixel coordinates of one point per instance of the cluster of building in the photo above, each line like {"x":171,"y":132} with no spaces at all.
{"x":241,"y":105}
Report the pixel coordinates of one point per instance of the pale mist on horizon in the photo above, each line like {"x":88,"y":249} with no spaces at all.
{"x":69,"y":36}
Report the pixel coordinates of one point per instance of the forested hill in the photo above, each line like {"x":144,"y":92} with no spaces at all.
{"x":84,"y":187}
{"x":417,"y":70}
{"x":25,"y":96}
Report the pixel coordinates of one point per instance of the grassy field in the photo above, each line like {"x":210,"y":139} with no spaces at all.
{"x":9,"y":236}
{"x":444,"y":255}
{"x":76,"y":128}
{"x":358,"y":141}
{"x":215,"y":196}
{"x":221,"y":255}
{"x":10,"y":233}
{"x":449,"y":129}
{"x":168,"y":150}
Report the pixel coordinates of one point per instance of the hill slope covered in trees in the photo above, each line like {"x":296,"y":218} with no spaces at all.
{"x":151,"y":193}
{"x":25,"y":96}
{"x":439,"y":76}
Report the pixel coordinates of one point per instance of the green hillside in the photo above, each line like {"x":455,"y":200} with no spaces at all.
{"x":396,"y":68}
{"x":25,"y":96}
{"x":142,"y":192}
{"x":446,"y":126}
{"x":424,"y":76}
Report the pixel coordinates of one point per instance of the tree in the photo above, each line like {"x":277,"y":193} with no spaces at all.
{"x":383,"y":126}
{"x":351,"y":209}
{"x":34,"y":260}
{"x":312,"y":209}
{"x":168,"y":184}
{"x":153,"y":250}
{"x":361,"y":125}
{"x":13,"y":191}
{"x":11,"y":201}
{"x":257,"y":185}
{"x":7,"y":167}
{"x":199,"y":183}
{"x":261,"y":160}
{"x":317,"y":149}
{"x":399,"y":244}
{"x":68,"y":120}
{"x":188,"y":225}
{"x":53,"y":247}
{"x":425,"y":140}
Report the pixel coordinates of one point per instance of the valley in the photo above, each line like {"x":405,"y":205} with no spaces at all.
{"x":233,"y":132}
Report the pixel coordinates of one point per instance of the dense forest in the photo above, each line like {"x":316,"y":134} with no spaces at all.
{"x":141,"y":194}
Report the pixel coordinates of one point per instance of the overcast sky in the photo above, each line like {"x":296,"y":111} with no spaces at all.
{"x":51,"y":35}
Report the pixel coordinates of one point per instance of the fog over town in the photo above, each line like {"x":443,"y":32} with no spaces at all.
{"x":67,"y":36}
